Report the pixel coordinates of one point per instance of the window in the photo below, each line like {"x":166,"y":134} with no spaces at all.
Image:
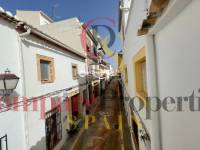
{"x":53,"y":127}
{"x":139,"y":61}
{"x":45,"y":65}
{"x":74,"y":71}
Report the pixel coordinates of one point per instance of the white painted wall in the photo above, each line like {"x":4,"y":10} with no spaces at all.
{"x":62,"y":64}
{"x":63,"y":79}
{"x":15,"y":124}
{"x":67,"y":31}
{"x":11,"y":123}
{"x":177,"y":50}
{"x":34,"y":18}
{"x":31,"y":17}
{"x":132,"y":45}
{"x":43,"y":20}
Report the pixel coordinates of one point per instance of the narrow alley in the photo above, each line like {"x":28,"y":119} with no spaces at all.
{"x":99,"y":75}
{"x":104,"y":133}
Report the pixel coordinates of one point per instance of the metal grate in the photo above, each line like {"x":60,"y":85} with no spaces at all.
{"x":53,"y":127}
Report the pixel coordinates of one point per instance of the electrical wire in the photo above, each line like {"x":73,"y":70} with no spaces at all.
{"x":29,"y":101}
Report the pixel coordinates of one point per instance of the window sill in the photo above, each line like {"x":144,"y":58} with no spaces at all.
{"x":45,"y":82}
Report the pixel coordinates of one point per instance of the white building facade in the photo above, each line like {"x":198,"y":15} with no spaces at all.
{"x":48,"y":71}
{"x":160,"y":51}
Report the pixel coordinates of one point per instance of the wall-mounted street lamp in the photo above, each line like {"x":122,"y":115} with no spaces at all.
{"x":8,"y":82}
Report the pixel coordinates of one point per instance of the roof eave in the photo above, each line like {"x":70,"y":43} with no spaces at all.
{"x":12,"y":19}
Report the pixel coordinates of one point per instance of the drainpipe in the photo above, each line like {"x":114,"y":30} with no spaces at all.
{"x":155,"y":134}
{"x":28,"y":31}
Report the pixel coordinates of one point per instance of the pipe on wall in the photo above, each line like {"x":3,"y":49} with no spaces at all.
{"x":153,"y":91}
{"x":20,"y":37}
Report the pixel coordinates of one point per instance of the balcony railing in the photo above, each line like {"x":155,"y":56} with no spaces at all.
{"x":144,"y":134}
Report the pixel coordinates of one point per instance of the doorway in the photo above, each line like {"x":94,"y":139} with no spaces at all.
{"x":53,"y":127}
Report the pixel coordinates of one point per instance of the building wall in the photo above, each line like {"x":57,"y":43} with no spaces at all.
{"x":63,"y":79}
{"x":43,"y":20}
{"x":31,"y":17}
{"x":34,"y":18}
{"x":62,"y":63}
{"x":68,"y":32}
{"x":177,"y":51}
{"x":26,"y":130}
{"x":12,"y":123}
{"x":132,"y":45}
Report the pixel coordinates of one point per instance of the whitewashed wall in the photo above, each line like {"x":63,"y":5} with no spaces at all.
{"x":63,"y":79}
{"x":27,"y":130}
{"x":11,"y":123}
{"x":62,"y":64}
{"x":132,"y":45}
{"x":177,"y":50}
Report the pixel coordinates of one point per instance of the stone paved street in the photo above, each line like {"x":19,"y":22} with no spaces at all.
{"x":98,"y":136}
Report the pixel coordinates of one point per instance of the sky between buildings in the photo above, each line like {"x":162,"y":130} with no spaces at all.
{"x":85,"y":10}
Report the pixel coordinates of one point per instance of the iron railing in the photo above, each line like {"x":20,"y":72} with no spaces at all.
{"x":144,"y":134}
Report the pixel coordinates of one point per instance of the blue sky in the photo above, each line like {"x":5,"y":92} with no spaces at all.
{"x":85,"y":10}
